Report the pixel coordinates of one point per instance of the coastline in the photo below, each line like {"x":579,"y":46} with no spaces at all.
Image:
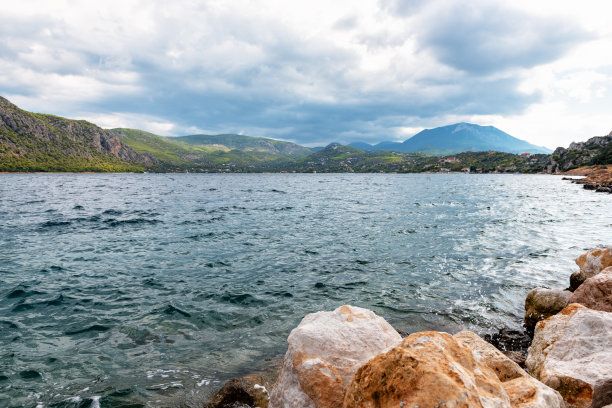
{"x":598,"y":178}
{"x":517,"y":360}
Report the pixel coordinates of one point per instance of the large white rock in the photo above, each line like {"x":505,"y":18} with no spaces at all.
{"x":572,"y":353}
{"x":325,"y":351}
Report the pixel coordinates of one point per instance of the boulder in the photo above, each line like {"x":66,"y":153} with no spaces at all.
{"x":542,"y":303}
{"x":243,"y":392}
{"x":591,"y":263}
{"x":428,"y":369}
{"x":596,"y":292}
{"x":527,"y":392}
{"x":572,"y":353}
{"x":523,"y":390}
{"x":324,"y":352}
{"x":486,"y":354}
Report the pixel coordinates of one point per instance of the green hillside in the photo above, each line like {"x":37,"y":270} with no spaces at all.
{"x":198,"y":154}
{"x":248,"y":143}
{"x":38,"y":142}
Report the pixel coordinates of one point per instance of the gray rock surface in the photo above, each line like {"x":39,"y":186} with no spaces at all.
{"x":542,"y":303}
{"x":572,"y":353}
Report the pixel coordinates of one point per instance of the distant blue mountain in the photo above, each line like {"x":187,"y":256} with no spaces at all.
{"x":457,"y":138}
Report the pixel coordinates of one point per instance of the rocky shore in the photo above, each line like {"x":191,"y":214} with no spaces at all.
{"x":598,"y":178}
{"x":351,"y":357}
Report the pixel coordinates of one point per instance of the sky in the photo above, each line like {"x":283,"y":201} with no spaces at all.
{"x":314,"y":72}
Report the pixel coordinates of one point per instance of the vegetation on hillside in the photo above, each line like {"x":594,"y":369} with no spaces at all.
{"x":38,"y":142}
{"x":595,"y":151}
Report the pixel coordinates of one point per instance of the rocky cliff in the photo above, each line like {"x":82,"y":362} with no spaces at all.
{"x":596,"y":150}
{"x":38,"y":142}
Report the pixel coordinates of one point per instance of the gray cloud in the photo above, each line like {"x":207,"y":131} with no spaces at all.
{"x":483,"y":38}
{"x":402,"y":7}
{"x":227,"y":72}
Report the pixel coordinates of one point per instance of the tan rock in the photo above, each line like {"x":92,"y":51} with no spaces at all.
{"x":523,"y":390}
{"x":572,"y":353}
{"x":542,"y":303}
{"x":324,"y":352}
{"x":527,"y":392}
{"x":428,"y":369}
{"x":596,"y":292}
{"x":486,"y":354}
{"x":591,"y":263}
{"x":596,"y":260}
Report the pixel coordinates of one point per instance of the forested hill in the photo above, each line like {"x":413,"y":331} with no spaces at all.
{"x":39,"y":142}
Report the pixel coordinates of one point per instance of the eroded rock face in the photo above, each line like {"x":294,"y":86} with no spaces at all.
{"x":325,"y":351}
{"x":427,"y":369}
{"x":486,"y":354}
{"x":542,"y":303}
{"x":527,"y":392}
{"x":591,"y":263}
{"x":596,"y":292}
{"x":523,"y":390}
{"x":572,"y":353}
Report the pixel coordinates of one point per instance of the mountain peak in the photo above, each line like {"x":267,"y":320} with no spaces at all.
{"x":456,"y":138}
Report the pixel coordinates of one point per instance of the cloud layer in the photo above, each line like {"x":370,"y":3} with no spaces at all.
{"x":312,"y":73}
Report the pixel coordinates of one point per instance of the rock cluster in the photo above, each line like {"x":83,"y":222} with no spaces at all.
{"x":332,"y":361}
{"x":596,"y":292}
{"x":571,"y":350}
{"x":599,"y":178}
{"x":352,"y":358}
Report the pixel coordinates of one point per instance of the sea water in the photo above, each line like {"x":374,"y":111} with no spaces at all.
{"x":128,"y":290}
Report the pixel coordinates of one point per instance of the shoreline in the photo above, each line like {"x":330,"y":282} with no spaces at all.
{"x":517,"y":360}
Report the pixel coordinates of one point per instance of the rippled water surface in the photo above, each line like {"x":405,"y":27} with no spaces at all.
{"x":151,"y":290}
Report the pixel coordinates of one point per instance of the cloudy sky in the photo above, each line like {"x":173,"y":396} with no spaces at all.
{"x":314,"y":71}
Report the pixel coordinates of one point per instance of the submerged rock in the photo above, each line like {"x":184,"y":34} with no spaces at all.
{"x":427,"y":369}
{"x":325,"y":351}
{"x":542,"y":303}
{"x":572,"y":353}
{"x":591,"y":263}
{"x":596,"y":292}
{"x":243,"y":392}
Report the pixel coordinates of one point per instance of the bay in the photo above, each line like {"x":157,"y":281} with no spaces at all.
{"x":153,"y":289}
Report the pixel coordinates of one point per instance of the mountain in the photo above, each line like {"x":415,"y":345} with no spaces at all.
{"x":248,"y":143}
{"x":596,"y":150}
{"x":337,"y":158}
{"x":38,"y":142}
{"x":460,"y":137}
{"x":198,"y":153}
